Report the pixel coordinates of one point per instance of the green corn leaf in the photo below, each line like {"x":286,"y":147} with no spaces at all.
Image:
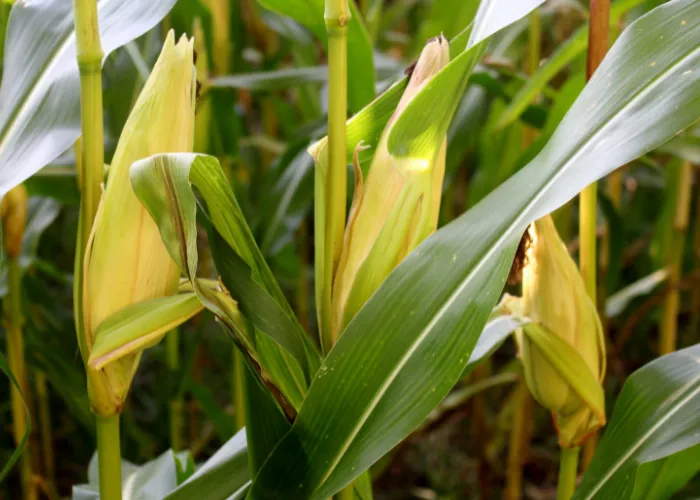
{"x":40,"y":113}
{"x":560,"y":59}
{"x":140,"y":326}
{"x":164,"y":183}
{"x":410,"y":343}
{"x":656,"y":416}
{"x":310,"y":14}
{"x":660,"y":479}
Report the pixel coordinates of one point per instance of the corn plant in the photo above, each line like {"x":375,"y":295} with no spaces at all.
{"x":406,"y":307}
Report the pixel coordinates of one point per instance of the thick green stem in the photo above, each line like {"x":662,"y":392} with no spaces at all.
{"x":337,"y":15}
{"x":15,"y":357}
{"x":89,"y":50}
{"x":568,"y":470}
{"x":238,"y":394}
{"x":109,"y":457}
{"x":177,"y":418}
{"x":669,"y":320}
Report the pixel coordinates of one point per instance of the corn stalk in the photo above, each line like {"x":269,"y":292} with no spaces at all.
{"x":674,"y":256}
{"x":89,"y":52}
{"x":598,"y":34}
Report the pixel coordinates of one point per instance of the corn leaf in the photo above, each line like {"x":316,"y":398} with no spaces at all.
{"x":410,"y":343}
{"x":40,"y":113}
{"x":660,"y":479}
{"x":360,"y":58}
{"x":656,"y":416}
{"x":164,"y":183}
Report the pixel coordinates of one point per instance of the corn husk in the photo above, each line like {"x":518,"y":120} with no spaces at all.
{"x":554,"y":297}
{"x":126,"y":261}
{"x":393,"y":210}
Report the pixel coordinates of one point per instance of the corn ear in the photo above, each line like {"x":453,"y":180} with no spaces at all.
{"x":394,"y":209}
{"x":565,"y":366}
{"x":126,"y":261}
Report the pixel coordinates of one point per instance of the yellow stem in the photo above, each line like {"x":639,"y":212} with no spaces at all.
{"x":669,"y":321}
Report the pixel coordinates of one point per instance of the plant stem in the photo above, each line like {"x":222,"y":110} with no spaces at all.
{"x":46,"y":429}
{"x":15,"y":357}
{"x":109,"y":457}
{"x":669,"y":320}
{"x":90,"y":55}
{"x":337,"y":15}
{"x":177,"y":418}
{"x":598,"y":34}
{"x":238,"y":394}
{"x":568,"y":471}
{"x":519,"y":440}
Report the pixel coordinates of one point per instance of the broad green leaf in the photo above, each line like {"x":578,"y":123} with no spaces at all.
{"x":164,"y":183}
{"x":360,"y":66}
{"x":224,"y":476}
{"x":40,"y":113}
{"x":265,"y":423}
{"x":20,"y":447}
{"x":655,"y":417}
{"x":560,"y":59}
{"x":410,"y":343}
{"x":660,"y":479}
{"x":140,"y":326}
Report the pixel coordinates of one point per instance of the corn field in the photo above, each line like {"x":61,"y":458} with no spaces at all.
{"x":350,"y":249}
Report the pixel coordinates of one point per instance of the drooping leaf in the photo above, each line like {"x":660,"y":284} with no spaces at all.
{"x":656,"y":416}
{"x":409,"y":344}
{"x":164,"y":183}
{"x":40,"y":113}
